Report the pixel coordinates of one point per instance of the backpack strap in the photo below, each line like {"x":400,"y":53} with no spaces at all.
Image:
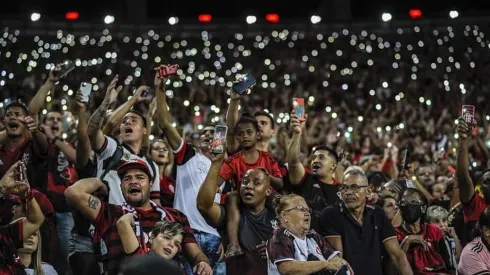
{"x":112,"y":163}
{"x":152,"y":166}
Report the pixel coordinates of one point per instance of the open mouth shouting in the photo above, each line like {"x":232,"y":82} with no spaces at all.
{"x":55,"y":129}
{"x":128,"y":131}
{"x":134,"y":190}
{"x":13,"y":125}
{"x":316,"y":167}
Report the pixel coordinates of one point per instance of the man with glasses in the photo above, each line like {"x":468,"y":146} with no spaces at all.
{"x":359,"y":230}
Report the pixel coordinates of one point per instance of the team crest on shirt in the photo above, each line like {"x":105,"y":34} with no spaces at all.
{"x":126,"y":156}
{"x":201,"y":167}
{"x":274,"y":224}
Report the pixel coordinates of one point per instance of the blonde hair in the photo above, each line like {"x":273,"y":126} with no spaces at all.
{"x":282,"y":202}
{"x":37,"y":258}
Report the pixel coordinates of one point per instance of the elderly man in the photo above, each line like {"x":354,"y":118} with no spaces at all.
{"x":359,"y":230}
{"x":135,"y":176}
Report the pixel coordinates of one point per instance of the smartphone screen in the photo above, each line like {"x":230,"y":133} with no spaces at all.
{"x":66,"y":68}
{"x":245,"y":83}
{"x":299,"y":108}
{"x":86,"y":90}
{"x":219,"y":138}
{"x":164,"y":71}
{"x":468,"y":114}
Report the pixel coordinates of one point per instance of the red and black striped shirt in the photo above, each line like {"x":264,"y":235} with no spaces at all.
{"x":105,"y":227}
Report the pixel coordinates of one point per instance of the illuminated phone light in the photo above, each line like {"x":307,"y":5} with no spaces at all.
{"x":205,"y":18}
{"x":251,"y":19}
{"x":272,"y":17}
{"x":71,"y":15}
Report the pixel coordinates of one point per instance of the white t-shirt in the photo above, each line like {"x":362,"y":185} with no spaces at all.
{"x":105,"y":153}
{"x":192,"y":169}
{"x":47,"y":268}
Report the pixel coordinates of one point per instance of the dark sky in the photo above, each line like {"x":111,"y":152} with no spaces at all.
{"x":361,"y":9}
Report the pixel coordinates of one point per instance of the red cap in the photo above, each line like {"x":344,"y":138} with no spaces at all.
{"x":133,"y":164}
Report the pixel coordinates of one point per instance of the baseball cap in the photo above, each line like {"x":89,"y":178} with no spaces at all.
{"x":17,"y":104}
{"x":133,"y":164}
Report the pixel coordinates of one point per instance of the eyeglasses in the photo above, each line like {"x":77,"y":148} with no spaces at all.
{"x":163,"y":149}
{"x":300,"y":209}
{"x":353,"y":187}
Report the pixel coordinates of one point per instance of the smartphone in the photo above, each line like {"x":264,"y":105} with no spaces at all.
{"x":167,"y":70}
{"x":86,"y":90}
{"x":405,"y":160}
{"x":217,"y":145}
{"x":244,"y":83}
{"x":65,"y":68}
{"x":299,"y":108}
{"x":468,"y":114}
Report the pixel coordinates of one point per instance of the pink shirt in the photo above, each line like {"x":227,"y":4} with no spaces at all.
{"x":475,"y":259}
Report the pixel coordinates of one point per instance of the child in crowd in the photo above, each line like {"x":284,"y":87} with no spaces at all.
{"x":165,"y":238}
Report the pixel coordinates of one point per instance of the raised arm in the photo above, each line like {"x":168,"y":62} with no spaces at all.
{"x":94,"y":131}
{"x":466,"y":187}
{"x":117,"y":116}
{"x":80,"y":195}
{"x":145,"y":145}
{"x":38,"y":101}
{"x":231,"y":120}
{"x":9,"y":185}
{"x":296,"y":169}
{"x":164,"y":116}
{"x":83,"y":142}
{"x":40,"y":141}
{"x":210,"y":210}
{"x":126,"y":233}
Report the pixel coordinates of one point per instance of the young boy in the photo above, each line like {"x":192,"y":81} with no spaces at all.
{"x":165,"y":238}
{"x":437,"y":215}
{"x":247,"y":134}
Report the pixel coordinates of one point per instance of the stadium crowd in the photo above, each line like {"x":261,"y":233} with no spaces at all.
{"x":384,"y":174}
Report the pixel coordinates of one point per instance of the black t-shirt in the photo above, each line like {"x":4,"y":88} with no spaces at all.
{"x":253,"y":230}
{"x":317,"y":195}
{"x":362,"y":244}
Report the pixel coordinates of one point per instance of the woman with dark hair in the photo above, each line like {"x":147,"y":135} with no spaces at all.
{"x":475,"y":258}
{"x":422,"y":242}
{"x":389,"y":205}
{"x":161,"y":154}
{"x":294,"y":248}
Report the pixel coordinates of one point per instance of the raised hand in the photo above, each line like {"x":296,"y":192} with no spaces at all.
{"x":296,"y":125}
{"x":48,"y":132}
{"x":463,"y":129}
{"x":53,"y":75}
{"x":30,"y":123}
{"x":112,"y":91}
{"x":140,"y":93}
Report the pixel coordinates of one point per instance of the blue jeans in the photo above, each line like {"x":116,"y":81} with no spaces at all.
{"x":64,"y":225}
{"x":209,"y":245}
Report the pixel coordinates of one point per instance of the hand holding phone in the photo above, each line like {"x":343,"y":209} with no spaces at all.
{"x":299,"y":108}
{"x":468,"y":114}
{"x":217,"y":146}
{"x":244,"y":83}
{"x":166,"y":70}
{"x":63,"y":69}
{"x":86,"y":90}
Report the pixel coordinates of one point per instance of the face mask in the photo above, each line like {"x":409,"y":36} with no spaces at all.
{"x":411,"y":213}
